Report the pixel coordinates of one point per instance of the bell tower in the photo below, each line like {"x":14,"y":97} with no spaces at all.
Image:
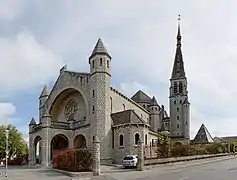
{"x":178,"y":100}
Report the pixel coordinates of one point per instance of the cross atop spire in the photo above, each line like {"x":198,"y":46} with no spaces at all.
{"x":179,"y":33}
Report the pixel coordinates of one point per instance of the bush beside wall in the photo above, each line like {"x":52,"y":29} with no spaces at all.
{"x":74,"y":160}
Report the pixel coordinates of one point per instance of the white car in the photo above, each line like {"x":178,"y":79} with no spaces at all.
{"x":130,"y":161}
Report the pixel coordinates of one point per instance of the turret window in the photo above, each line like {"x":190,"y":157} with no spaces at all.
{"x":146,"y":139}
{"x":175,"y":88}
{"x":93,"y":109}
{"x":177,"y":125}
{"x":121,"y":140}
{"x":100,"y":61}
{"x":107,"y":63}
{"x":174,"y":101}
{"x":180,"y":101}
{"x":177,"y":109}
{"x":93,"y":64}
{"x":181,"y":88}
{"x":136,"y":138}
{"x":93,"y":93}
{"x":177,"y":117}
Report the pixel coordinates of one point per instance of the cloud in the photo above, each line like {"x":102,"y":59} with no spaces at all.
{"x":9,"y":9}
{"x":6,"y":110}
{"x":25,"y":63}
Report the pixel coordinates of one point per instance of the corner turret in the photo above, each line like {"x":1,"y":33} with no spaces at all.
{"x":100,"y":59}
{"x":32,"y":124}
{"x":42,"y":99}
{"x":155,"y":120}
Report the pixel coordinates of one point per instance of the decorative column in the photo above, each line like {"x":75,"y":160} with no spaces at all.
{"x":96,"y":156}
{"x":46,"y":137}
{"x":140,"y":163}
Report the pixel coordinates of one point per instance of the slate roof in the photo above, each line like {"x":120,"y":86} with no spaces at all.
{"x":225,"y":139}
{"x":178,"y":67}
{"x":154,"y":102}
{"x":99,"y":48}
{"x":32,"y":121}
{"x":128,"y":116}
{"x":203,"y":136}
{"x":141,"y":97}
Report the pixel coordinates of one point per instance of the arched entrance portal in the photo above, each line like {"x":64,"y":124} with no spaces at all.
{"x":37,"y":150}
{"x":59,"y":142}
{"x":79,"y":142}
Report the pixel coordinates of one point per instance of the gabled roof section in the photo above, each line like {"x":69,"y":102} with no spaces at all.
{"x":126,"y":117}
{"x":99,"y":49}
{"x":226,"y":139}
{"x":203,"y":136}
{"x":141,"y":97}
{"x":45,"y":91}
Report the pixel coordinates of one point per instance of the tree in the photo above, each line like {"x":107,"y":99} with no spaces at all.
{"x":163,"y":144}
{"x":16,"y":144}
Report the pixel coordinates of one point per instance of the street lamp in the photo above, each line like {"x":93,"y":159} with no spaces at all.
{"x":7,"y":133}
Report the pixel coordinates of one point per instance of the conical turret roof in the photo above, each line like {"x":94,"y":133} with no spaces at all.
{"x":154,"y":102}
{"x":99,"y":48}
{"x":32,"y":121}
{"x":45,"y":91}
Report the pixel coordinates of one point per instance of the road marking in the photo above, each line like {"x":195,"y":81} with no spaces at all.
{"x":183,"y":178}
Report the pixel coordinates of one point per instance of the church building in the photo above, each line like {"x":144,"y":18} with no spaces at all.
{"x":81,"y":106}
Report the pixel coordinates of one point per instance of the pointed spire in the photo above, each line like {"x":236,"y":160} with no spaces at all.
{"x":45,"y":91}
{"x":99,"y":49}
{"x":178,"y":67}
{"x":32,"y":121}
{"x":154,"y":102}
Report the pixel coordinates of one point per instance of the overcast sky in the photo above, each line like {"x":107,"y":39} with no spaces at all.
{"x":37,"y":37}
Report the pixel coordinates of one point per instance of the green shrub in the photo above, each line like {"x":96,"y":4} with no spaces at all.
{"x":74,"y":160}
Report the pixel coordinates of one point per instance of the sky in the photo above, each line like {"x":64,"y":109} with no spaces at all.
{"x":38,"y":37}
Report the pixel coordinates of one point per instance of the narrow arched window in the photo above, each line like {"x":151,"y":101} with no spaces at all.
{"x":136,"y":138}
{"x":120,"y":140}
{"x":181,"y":88}
{"x":101,"y":61}
{"x":93,"y":64}
{"x":107,"y":63}
{"x":124,"y":107}
{"x":175,"y":88}
{"x":146,"y":139}
{"x":111,"y":105}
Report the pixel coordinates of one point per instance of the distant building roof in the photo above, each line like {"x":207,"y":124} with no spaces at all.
{"x":225,"y":139}
{"x":141,"y":97}
{"x":203,"y":136}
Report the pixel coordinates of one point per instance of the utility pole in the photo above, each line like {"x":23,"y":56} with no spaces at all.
{"x":7,"y":133}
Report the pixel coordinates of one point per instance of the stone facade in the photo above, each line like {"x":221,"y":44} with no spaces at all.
{"x":82,"y":106}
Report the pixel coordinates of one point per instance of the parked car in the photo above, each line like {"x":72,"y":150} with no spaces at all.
{"x":130,"y":161}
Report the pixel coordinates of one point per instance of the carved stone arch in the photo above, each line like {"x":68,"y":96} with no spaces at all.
{"x":67,"y":89}
{"x":59,"y":142}
{"x":79,"y":141}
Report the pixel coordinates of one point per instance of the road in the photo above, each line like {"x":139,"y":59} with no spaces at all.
{"x":219,"y":170}
{"x":214,"y":169}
